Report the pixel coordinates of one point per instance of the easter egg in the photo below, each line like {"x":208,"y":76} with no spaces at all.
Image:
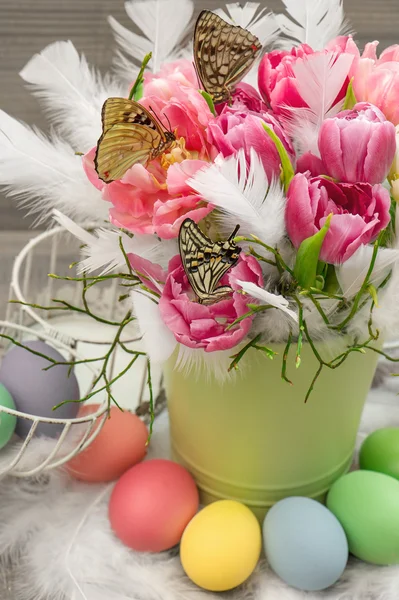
{"x":305,"y":544}
{"x":7,"y":421}
{"x":380,"y":452}
{"x":367,"y":505}
{"x":36,"y":391}
{"x":151,"y":505}
{"x":221,"y":546}
{"x":120,"y":444}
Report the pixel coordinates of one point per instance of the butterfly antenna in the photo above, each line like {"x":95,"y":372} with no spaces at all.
{"x":157,"y":118}
{"x":170,"y":126}
{"x":234,"y":233}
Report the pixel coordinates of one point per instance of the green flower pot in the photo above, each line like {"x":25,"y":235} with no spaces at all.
{"x":253,"y":439}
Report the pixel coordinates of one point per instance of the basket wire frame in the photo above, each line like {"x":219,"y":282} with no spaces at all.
{"x":23,"y":320}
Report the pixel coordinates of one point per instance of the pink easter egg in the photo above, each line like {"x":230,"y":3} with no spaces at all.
{"x":151,"y":505}
{"x":120,"y":444}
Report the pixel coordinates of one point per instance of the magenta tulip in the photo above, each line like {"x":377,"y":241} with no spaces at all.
{"x":360,"y":211}
{"x":237,"y":128}
{"x":358,"y":145}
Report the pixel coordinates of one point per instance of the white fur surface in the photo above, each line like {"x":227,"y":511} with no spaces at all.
{"x":57,"y":533}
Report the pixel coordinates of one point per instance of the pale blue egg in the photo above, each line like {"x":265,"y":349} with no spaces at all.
{"x":305,"y":544}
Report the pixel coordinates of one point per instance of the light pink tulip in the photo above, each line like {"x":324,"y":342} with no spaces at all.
{"x":237,"y":128}
{"x":360,"y":211}
{"x":198,"y":326}
{"x":357,"y":145}
{"x":168,"y":82}
{"x":376,"y":80}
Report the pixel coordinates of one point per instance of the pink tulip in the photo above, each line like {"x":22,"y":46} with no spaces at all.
{"x":276,"y":80}
{"x":237,"y":128}
{"x":198,"y":326}
{"x":377,"y":80}
{"x":357,"y":145}
{"x":360,"y":211}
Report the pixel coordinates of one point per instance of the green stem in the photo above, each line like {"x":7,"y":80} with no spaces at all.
{"x":237,"y":357}
{"x":285,"y":359}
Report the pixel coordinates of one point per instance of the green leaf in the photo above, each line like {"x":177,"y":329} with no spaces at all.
{"x":331,"y":285}
{"x":307,"y":259}
{"x":136,"y":93}
{"x":373,"y":293}
{"x":286,"y":165}
{"x":350,"y":98}
{"x":209,"y":101}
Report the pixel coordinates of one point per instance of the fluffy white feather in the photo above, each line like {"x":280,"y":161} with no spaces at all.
{"x":319,"y":79}
{"x":71,"y":92}
{"x":351,"y":273}
{"x":266,"y":297}
{"x":158,"y":341}
{"x":163,"y":23}
{"x":102,"y":249}
{"x":250,"y":16}
{"x":45,"y":174}
{"x":314,"y":22}
{"x":243,"y":194}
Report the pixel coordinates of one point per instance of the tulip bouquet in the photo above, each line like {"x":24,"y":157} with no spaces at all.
{"x":301,"y":154}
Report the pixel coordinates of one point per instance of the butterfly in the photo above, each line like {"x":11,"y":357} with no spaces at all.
{"x":130,"y":135}
{"x":205,"y":262}
{"x":223,"y":54}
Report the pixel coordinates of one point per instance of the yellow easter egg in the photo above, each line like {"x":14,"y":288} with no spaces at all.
{"x":221,"y":546}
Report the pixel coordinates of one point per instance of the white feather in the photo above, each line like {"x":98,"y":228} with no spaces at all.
{"x":46,"y":174}
{"x":102,"y":249}
{"x":313,"y":22}
{"x":319,"y":79}
{"x":158,"y":341}
{"x":266,"y":297}
{"x":243,"y":194}
{"x":248,"y":16}
{"x":351,"y":273}
{"x":71,"y":92}
{"x":163,"y":23}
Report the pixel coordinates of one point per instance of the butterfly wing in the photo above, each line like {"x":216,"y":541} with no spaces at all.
{"x":130,"y":135}
{"x":205,"y":262}
{"x":223,"y":54}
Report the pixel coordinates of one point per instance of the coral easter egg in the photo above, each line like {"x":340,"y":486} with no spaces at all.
{"x":221,"y":546}
{"x":36,"y":391}
{"x":380,"y":452}
{"x":305,"y":544}
{"x":151,"y":505}
{"x":366,"y":504}
{"x":7,"y":421}
{"x":120,"y":444}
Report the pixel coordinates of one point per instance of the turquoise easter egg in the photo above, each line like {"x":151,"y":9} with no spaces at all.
{"x":7,"y":421}
{"x":380,"y":452}
{"x":367,"y":505}
{"x":305,"y":544}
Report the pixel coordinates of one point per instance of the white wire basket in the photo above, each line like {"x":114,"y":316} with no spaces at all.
{"x":76,"y":336}
{"x":71,"y":441}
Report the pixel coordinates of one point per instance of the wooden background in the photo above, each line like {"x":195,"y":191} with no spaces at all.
{"x":27,"y":26}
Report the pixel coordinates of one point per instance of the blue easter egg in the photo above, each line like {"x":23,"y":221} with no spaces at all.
{"x":305,"y":544}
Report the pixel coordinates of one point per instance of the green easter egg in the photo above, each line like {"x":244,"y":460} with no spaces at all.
{"x":367,"y":505}
{"x":7,"y":421}
{"x":380,"y":452}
